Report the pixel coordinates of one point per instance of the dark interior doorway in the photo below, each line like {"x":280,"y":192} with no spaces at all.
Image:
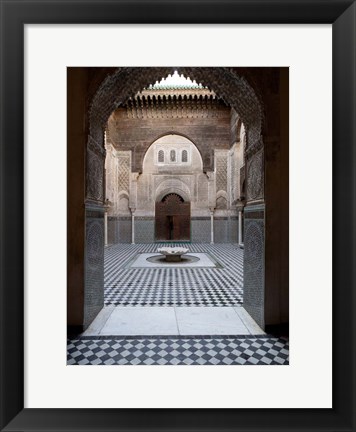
{"x":172,"y":219}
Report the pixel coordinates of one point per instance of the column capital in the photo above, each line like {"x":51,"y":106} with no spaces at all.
{"x":107,"y":204}
{"x":210,"y":175}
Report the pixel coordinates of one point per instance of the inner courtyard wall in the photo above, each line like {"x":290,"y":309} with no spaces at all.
{"x":207,"y":131}
{"x":209,"y":180}
{"x":129,"y":192}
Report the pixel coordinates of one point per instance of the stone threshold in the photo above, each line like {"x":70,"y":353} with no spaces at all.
{"x":173,"y":321}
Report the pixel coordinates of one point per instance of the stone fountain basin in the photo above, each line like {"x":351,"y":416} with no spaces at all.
{"x":173,"y":254}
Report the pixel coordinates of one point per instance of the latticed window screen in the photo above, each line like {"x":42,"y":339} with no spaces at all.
{"x":161,"y":156}
{"x":173,"y":155}
{"x":184,"y":156}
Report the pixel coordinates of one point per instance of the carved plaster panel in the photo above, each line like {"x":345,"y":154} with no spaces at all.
{"x":255,"y":177}
{"x":123,"y":172}
{"x":95,"y":174}
{"x":221,"y":170}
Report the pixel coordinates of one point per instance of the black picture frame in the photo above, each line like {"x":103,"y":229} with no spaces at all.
{"x":14,"y":14}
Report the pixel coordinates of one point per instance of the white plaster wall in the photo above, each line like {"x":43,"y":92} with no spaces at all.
{"x":117,"y":166}
{"x":235,"y":163}
{"x":187,"y":179}
{"x":111,"y":179}
{"x":158,"y":179}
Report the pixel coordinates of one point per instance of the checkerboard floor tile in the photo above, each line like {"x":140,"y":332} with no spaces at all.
{"x":178,"y":351}
{"x":171,"y":286}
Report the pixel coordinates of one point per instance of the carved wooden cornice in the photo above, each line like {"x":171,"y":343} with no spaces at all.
{"x":177,"y":91}
{"x":159,"y":104}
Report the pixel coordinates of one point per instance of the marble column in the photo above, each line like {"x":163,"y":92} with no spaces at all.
{"x":211,"y":226}
{"x":132,"y":225}
{"x":106,"y":227}
{"x":133,"y":202}
{"x":240,"y":228}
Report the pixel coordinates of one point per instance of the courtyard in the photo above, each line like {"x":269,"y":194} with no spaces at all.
{"x":178,"y":157}
{"x":221,"y":285}
{"x":177,"y":314}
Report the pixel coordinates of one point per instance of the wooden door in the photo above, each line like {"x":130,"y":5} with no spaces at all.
{"x":172,"y":219}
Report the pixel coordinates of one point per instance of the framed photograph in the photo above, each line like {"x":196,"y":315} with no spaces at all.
{"x":177,"y":215}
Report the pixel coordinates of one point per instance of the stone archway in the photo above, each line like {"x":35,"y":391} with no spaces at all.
{"x":232,"y":85}
{"x":227,"y":83}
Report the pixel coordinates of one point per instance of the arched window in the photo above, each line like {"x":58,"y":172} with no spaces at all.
{"x":161,"y":156}
{"x":173,"y":155}
{"x":184,"y":156}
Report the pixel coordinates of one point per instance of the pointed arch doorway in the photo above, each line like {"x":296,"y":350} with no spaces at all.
{"x":260,"y":96}
{"x":172,"y":219}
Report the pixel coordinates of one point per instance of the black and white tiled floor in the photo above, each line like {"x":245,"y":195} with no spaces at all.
{"x":195,"y":287}
{"x":264,"y":350}
{"x":171,"y":286}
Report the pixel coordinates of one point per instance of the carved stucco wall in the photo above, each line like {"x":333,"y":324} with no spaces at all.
{"x":202,"y":191}
{"x":236,"y":162}
{"x":160,"y":178}
{"x":255,"y":187}
{"x":221,"y":158}
{"x":234,"y":173}
{"x":95,"y":171}
{"x":118,"y":171}
{"x":111,"y":178}
{"x":123,"y":172}
{"x":138,"y":134}
{"x":185,"y":178}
